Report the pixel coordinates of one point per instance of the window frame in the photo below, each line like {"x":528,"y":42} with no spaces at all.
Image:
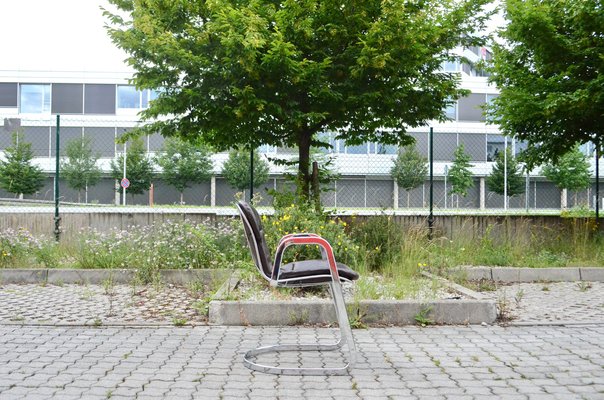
{"x":46,"y":100}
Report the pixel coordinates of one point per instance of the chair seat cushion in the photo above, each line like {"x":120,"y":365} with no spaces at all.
{"x":314,"y":271}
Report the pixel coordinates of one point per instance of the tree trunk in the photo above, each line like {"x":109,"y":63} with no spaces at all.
{"x":182,"y":198}
{"x":304,"y":176}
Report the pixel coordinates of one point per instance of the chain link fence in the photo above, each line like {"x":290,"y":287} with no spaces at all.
{"x":364,"y":171}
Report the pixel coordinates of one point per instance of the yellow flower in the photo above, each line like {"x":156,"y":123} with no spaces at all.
{"x":344,"y":223}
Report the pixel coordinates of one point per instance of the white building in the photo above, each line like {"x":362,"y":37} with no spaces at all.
{"x":87,"y":85}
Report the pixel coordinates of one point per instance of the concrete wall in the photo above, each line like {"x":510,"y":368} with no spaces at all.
{"x":449,"y":226}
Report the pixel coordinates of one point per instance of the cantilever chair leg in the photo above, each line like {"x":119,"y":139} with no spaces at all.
{"x":345,"y":338}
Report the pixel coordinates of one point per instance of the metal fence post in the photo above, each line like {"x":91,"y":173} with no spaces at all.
{"x":57,"y":164}
{"x":431,"y":215}
{"x":597,"y":183}
{"x":251,"y":173}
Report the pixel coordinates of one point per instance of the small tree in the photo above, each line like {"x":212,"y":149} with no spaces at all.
{"x":139,"y":169}
{"x":184,"y":163}
{"x":410,"y":169}
{"x":236,"y":169}
{"x":79,"y":168}
{"x":460,"y":174}
{"x":571,"y":172}
{"x":515,"y":180}
{"x":17,"y":173}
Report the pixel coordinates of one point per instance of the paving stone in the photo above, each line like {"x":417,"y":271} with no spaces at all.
{"x":450,"y":362}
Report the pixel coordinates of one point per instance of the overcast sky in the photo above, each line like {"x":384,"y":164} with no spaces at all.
{"x":57,"y":35}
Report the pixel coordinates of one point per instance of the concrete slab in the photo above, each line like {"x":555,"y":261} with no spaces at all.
{"x":592,"y":274}
{"x":91,"y":276}
{"x":548,"y":274}
{"x":503,"y":274}
{"x":374,"y":312}
{"x":271,"y":313}
{"x":98,"y":276}
{"x":477,"y":273}
{"x":182,"y":277}
{"x":23,"y":275}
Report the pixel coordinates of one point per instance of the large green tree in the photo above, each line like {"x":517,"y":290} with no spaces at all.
{"x":139,"y":168}
{"x":280,"y":72}
{"x":571,"y":171}
{"x":550,"y":70}
{"x":79,"y":167}
{"x":184,"y":163}
{"x":17,"y":173}
{"x":506,"y":173}
{"x":409,"y":169}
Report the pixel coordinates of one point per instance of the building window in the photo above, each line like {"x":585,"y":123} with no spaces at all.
{"x":35,"y":98}
{"x":451,"y":111}
{"x":450,"y":66}
{"x":267,"y":149}
{"x":131,"y":99}
{"x":380,"y":148}
{"x":8,"y":95}
{"x":67,"y":98}
{"x":495,"y":146}
{"x":99,"y":99}
{"x":357,"y":149}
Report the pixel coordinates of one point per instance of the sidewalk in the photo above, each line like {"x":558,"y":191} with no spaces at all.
{"x":42,"y":358}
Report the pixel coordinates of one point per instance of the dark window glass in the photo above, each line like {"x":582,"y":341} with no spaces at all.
{"x":444,"y":146}
{"x":474,"y":144}
{"x":39,"y":137}
{"x":103,"y":140}
{"x":8,"y":95}
{"x":99,"y":99}
{"x":67,"y":135}
{"x":67,"y":98}
{"x":470,"y":108}
{"x":422,"y":142}
{"x":495,"y":146}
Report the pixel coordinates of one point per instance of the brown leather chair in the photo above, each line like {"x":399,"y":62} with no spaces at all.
{"x":325,"y":271}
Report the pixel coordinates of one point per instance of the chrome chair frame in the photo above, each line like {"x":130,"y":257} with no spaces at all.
{"x":273,"y":275}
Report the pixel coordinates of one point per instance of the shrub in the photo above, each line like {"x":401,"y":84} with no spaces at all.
{"x":379,"y":238}
{"x":302,"y":218}
{"x":19,"y":248}
{"x":170,"y":245}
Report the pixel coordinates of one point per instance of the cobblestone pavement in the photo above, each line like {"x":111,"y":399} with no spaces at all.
{"x":560,"y":302}
{"x":100,"y":304}
{"x":536,"y":361}
{"x":447,"y":362}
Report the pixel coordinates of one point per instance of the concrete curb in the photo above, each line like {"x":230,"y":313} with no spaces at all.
{"x":374,"y":312}
{"x":527,"y":275}
{"x":98,"y":276}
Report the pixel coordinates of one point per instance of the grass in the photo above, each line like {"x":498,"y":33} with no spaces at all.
{"x":388,"y":257}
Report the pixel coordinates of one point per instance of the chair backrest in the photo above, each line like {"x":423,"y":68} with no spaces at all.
{"x":255,"y":238}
